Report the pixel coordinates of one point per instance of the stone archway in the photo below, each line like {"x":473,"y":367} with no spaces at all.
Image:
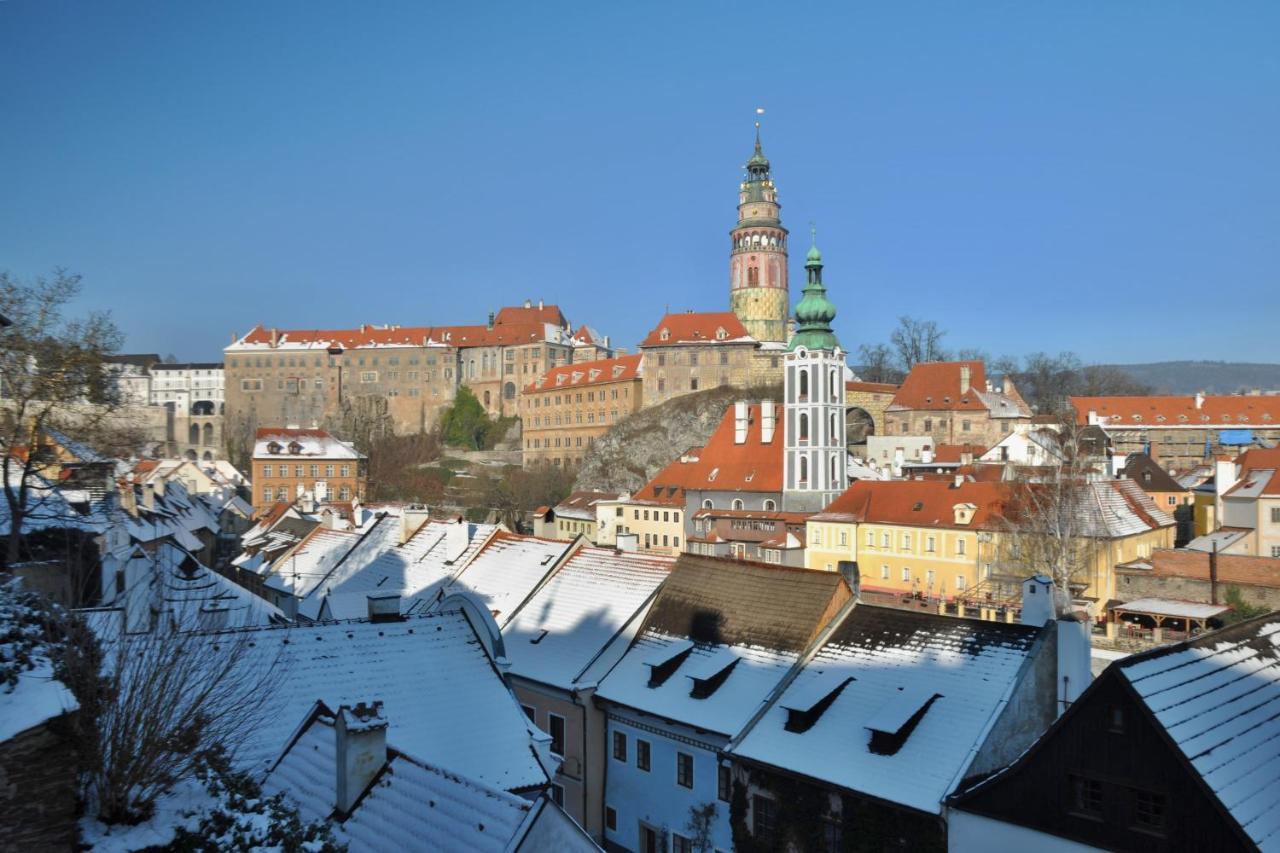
{"x":858,"y":425}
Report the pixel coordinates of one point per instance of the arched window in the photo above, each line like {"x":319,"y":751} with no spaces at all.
{"x":804,"y":427}
{"x":753,"y":276}
{"x":835,"y":386}
{"x":804,"y":383}
{"x":804,"y":470}
{"x":486,"y":399}
{"x":208,"y":435}
{"x":706,"y":503}
{"x":835,"y":426}
{"x":193,"y":434}
{"x":770,"y":506}
{"x":207,"y":457}
{"x":835,"y":472}
{"x":737,"y":503}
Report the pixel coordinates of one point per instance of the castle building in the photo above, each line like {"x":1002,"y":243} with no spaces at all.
{"x":566,"y":409}
{"x":758,"y":261}
{"x":816,"y":458}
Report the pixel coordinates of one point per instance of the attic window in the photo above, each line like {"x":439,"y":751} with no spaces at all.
{"x":547,"y":559}
{"x":1160,"y":418}
{"x":273,"y":447}
{"x":665,"y":334}
{"x":1136,"y":417}
{"x":560,"y":377}
{"x":1266,"y":416}
{"x":1182,"y":419}
{"x":592,"y":374}
{"x":711,"y":477}
{"x":294,"y":448}
{"x":897,"y":718}
{"x":1204,"y":419}
{"x":709,"y":672}
{"x":721,"y":334}
{"x":806,"y":704}
{"x":917,"y":506}
{"x":928,"y":399}
{"x":663,"y":662}
{"x":617,"y":371}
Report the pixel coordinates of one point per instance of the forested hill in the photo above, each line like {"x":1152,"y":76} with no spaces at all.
{"x":1213,"y":377}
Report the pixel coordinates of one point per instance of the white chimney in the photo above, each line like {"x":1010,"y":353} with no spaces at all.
{"x":361,"y":734}
{"x":964,"y":378}
{"x":456,"y":538}
{"x":768,"y":420}
{"x":1038,"y":605}
{"x":959,"y":481}
{"x":926,"y":455}
{"x":411,"y":519}
{"x":629,"y":542}
{"x":1199,"y":399}
{"x":740,"y":422}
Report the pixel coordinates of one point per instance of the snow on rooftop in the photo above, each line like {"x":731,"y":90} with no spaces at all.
{"x":377,"y":539}
{"x":410,"y":805}
{"x":581,"y":609}
{"x":306,"y":566}
{"x":506,"y":570}
{"x":1218,"y":699}
{"x":417,"y":570}
{"x":725,"y":711}
{"x":890,"y":654}
{"x":1172,"y":607}
{"x":442,"y":695}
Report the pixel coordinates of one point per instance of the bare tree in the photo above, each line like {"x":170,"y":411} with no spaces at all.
{"x":1048,"y":525}
{"x":153,"y":705}
{"x":877,"y":363}
{"x":52,"y":377}
{"x":917,"y":341}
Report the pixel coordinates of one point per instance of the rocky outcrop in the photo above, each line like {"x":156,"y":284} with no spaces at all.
{"x":633,"y":451}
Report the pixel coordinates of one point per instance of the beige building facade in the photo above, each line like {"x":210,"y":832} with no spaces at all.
{"x":567,"y":408}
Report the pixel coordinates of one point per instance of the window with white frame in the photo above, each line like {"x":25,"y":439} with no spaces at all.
{"x":906,"y":575}
{"x":884,"y":571}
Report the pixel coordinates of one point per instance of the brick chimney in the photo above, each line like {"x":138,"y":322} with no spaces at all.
{"x":361,"y":734}
{"x":964,"y":378}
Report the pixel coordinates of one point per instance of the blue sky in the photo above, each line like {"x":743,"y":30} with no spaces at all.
{"x":1102,"y":177}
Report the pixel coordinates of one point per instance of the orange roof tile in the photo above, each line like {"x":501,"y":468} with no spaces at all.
{"x":936,"y":386}
{"x":1220,"y":411}
{"x":701,"y":328}
{"x":598,"y":372}
{"x":945,"y":453}
{"x":917,"y":503}
{"x":506,"y":334}
{"x":722,"y":464}
{"x":512,"y":315}
{"x":1259,"y":457}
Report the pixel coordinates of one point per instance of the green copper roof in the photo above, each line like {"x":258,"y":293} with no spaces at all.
{"x":815,"y":312}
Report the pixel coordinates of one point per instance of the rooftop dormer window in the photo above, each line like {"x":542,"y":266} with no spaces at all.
{"x":273,"y":447}
{"x":663,"y":662}
{"x":708,"y":673}
{"x":294,"y":448}
{"x":721,"y":334}
{"x":807,"y":701}
{"x":897,"y":718}
{"x":665,"y":334}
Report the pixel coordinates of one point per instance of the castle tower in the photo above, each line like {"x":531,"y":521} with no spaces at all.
{"x":815,"y":467}
{"x":758,"y":261}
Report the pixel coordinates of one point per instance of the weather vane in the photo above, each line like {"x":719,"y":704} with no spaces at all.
{"x":759,"y":112}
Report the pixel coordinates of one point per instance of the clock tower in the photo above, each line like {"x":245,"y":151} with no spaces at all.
{"x":758,"y":258}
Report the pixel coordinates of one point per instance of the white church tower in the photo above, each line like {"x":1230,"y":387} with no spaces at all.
{"x":816,"y":464}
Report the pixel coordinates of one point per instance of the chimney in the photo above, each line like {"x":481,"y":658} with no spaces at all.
{"x":1006,"y":385}
{"x":384,"y":607}
{"x":768,"y":421}
{"x":740,"y":422}
{"x":1213,"y":574}
{"x":1199,"y":399}
{"x":275,"y":338}
{"x":852,"y":577}
{"x":539,"y":304}
{"x":361,"y":734}
{"x":629,"y":542}
{"x":959,"y":481}
{"x":413,"y":517}
{"x":528,"y":304}
{"x":456,"y":538}
{"x":964,"y":378}
{"x":490,"y":326}
{"x":1038,"y":607}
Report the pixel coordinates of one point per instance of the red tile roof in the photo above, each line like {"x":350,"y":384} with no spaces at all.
{"x":599,"y":372}
{"x":1232,"y":568}
{"x":283,"y":432}
{"x":918,"y":503}
{"x":935,"y":386}
{"x":506,"y":334}
{"x":1259,"y":457}
{"x":693,"y":328}
{"x":521,"y":314}
{"x":723,"y":465}
{"x":588,"y":335}
{"x":1222,"y":411}
{"x":945,"y":453}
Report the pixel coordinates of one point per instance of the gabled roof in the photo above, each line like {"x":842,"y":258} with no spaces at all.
{"x":443,"y":697}
{"x":582,"y":505}
{"x":589,"y":336}
{"x":723,"y":464}
{"x":309,"y":443}
{"x":876,"y":671}
{"x":1147,"y":473}
{"x":1170,"y":411}
{"x":524,"y":314}
{"x":507,"y":569}
{"x":1217,"y":697}
{"x":700,"y":328}
{"x":565,"y":625}
{"x":417,"y":570}
{"x":588,"y":373}
{"x":305,"y":566}
{"x":937,"y":386}
{"x":719,"y":637}
{"x":918,"y":503}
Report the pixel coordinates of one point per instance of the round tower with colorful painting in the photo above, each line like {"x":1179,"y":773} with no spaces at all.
{"x":758,"y":259}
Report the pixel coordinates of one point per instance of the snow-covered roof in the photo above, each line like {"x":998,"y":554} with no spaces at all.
{"x":1172,"y":607}
{"x":884,"y":666}
{"x":417,"y":570}
{"x":507,"y":569}
{"x":1218,"y":699}
{"x":376,"y":540}
{"x":443,"y":697}
{"x":719,"y":637}
{"x":565,"y":625}
{"x":303,"y":568}
{"x":409,"y":805}
{"x":285,"y":445}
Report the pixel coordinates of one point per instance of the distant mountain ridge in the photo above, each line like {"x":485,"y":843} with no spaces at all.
{"x":1212,"y":377}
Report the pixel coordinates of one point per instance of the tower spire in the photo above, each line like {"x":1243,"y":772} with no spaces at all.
{"x":758,"y":258}
{"x":815,"y":312}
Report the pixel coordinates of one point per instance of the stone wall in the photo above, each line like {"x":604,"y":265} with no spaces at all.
{"x":38,"y":807}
